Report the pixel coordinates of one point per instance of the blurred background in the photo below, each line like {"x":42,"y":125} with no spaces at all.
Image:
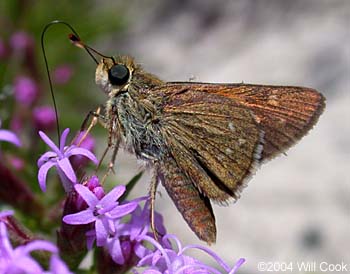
{"x":297,"y":207}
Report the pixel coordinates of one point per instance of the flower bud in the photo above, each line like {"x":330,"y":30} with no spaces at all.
{"x":25,"y":90}
{"x":94,"y":185}
{"x":62,"y":74}
{"x":21,"y":41}
{"x":44,"y":118}
{"x":17,"y":163}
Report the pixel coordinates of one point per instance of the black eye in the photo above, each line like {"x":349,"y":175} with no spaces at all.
{"x":118,"y":75}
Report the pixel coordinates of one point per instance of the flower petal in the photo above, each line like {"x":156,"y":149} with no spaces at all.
{"x":83,"y":217}
{"x":5,"y":245}
{"x":8,"y":136}
{"x":51,"y":144}
{"x":141,"y":251}
{"x":237,"y":265}
{"x":5,"y":213}
{"x":101,"y":233}
{"x":122,"y":210}
{"x":87,"y":195}
{"x":151,"y":271}
{"x":112,"y":196}
{"x":57,"y":266}
{"x":39,"y":245}
{"x":66,"y":183}
{"x":25,"y":265}
{"x":90,"y":238}
{"x":115,"y":251}
{"x":63,"y":139}
{"x":205,"y":249}
{"x":47,"y":156}
{"x":42,"y":173}
{"x":81,"y":151}
{"x":67,"y":169}
{"x":146,"y":259}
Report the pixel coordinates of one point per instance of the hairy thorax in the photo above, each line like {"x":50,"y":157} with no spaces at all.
{"x":137,"y":125}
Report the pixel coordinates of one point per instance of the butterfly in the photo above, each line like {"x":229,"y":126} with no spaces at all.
{"x":202,"y":140}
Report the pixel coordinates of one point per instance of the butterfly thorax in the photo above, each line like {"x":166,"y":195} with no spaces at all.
{"x":135,"y":117}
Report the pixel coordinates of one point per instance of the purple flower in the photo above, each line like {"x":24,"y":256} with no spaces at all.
{"x":114,"y":246}
{"x":8,"y":136}
{"x":59,"y":157}
{"x":165,"y":259}
{"x":62,"y":74}
{"x":21,"y":41}
{"x":57,"y":266}
{"x":26,"y":90}
{"x":103,"y":212}
{"x":18,"y":260}
{"x":89,"y":143}
{"x":44,"y":118}
{"x":124,"y":241}
{"x":119,"y":248}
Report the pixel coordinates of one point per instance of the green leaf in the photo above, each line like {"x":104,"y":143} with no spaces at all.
{"x":130,"y":185}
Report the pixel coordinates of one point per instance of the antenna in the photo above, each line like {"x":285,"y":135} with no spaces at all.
{"x":80,"y":44}
{"x":76,"y":41}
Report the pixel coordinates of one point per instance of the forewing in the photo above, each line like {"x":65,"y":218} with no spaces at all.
{"x":214,"y":141}
{"x":284,"y":113}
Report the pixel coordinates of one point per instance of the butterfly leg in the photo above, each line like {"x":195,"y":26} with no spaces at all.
{"x":96,"y":117}
{"x":112,"y":161}
{"x":109,"y":145}
{"x":113,"y":140}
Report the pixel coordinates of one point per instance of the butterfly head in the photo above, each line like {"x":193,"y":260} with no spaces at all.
{"x":115,"y":74}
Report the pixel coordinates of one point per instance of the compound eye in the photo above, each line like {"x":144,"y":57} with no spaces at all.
{"x":118,"y":75}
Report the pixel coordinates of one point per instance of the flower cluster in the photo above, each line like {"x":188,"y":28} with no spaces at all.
{"x":104,"y":213}
{"x":166,"y":258}
{"x":125,"y":240}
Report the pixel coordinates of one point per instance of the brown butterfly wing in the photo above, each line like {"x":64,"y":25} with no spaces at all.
{"x":214,"y":141}
{"x":194,"y":206}
{"x":214,"y":144}
{"x":216,"y":134}
{"x":284,"y":113}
